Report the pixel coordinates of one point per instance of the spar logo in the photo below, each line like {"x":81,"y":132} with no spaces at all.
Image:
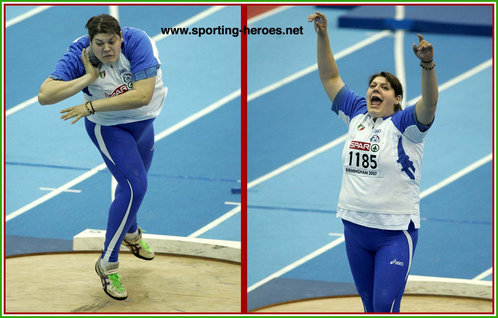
{"x":118,"y":91}
{"x":359,"y":145}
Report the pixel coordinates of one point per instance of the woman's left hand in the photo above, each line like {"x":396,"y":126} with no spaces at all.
{"x":79,"y":112}
{"x":424,"y":50}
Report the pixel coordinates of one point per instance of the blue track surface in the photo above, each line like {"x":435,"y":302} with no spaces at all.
{"x":194,"y":168}
{"x":293,"y":214}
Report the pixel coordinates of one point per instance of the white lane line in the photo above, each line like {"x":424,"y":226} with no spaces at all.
{"x":102,"y":166}
{"x":267,"y":14}
{"x":52,"y":189}
{"x":114,"y":11}
{"x":190,"y":21}
{"x":314,"y":67}
{"x":484,"y":274}
{"x":336,"y":234}
{"x":216,"y":222}
{"x":457,"y":175}
{"x":399,"y":13}
{"x":199,"y":114}
{"x":26,"y":15}
{"x":297,"y":161}
{"x":55,"y":192}
{"x":452,"y":82}
{"x":232,"y":203}
{"x":399,"y":59}
{"x":298,"y":263}
{"x":464,"y":76}
{"x":21,"y":106}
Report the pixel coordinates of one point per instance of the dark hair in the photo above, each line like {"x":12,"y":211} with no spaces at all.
{"x":395,"y":84}
{"x":103,"y":23}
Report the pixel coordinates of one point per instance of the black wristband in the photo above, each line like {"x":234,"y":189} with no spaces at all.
{"x":91,"y":105}
{"x":426,"y":62}
{"x":92,"y":111}
{"x":427,"y":68}
{"x":88,"y":110}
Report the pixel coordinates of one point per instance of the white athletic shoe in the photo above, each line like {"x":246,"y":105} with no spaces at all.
{"x":111,"y":281}
{"x":139,"y":247}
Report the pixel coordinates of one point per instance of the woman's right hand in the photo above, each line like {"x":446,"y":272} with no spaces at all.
{"x":320,"y":22}
{"x":92,"y":71}
{"x":53,"y":91}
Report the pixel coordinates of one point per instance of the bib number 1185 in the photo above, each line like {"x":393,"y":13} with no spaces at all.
{"x":362,"y":160}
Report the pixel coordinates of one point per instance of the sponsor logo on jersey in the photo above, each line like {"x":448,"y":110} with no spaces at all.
{"x":375,"y":148}
{"x":396,"y":262}
{"x":359,"y":145}
{"x":118,"y":91}
{"x":127,"y":79}
{"x":360,"y":127}
{"x":377,"y":131}
{"x":375,"y":138}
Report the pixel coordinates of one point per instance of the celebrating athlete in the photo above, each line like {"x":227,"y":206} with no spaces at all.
{"x":382,"y":157}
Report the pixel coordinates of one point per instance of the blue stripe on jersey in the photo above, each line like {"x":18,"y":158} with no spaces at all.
{"x":137,"y":47}
{"x":148,"y":72}
{"x":349,"y":103}
{"x":404,"y":160}
{"x":407,"y":117}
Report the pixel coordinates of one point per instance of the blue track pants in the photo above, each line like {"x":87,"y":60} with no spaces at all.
{"x":127,"y":150}
{"x":380,"y":261}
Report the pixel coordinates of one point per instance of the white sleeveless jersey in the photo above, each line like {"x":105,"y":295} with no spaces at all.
{"x":381,"y":165}
{"x":138,"y":60}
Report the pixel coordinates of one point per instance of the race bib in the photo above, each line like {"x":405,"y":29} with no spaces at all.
{"x":362,"y":158}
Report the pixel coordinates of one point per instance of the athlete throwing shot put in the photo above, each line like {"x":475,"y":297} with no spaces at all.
{"x":119,"y":72}
{"x":380,"y":193}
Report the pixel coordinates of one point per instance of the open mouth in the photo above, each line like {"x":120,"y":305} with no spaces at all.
{"x":375,"y":100}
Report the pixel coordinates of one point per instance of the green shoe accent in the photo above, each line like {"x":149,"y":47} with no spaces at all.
{"x":146,"y":246}
{"x":116,"y":282}
{"x":111,"y":281}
